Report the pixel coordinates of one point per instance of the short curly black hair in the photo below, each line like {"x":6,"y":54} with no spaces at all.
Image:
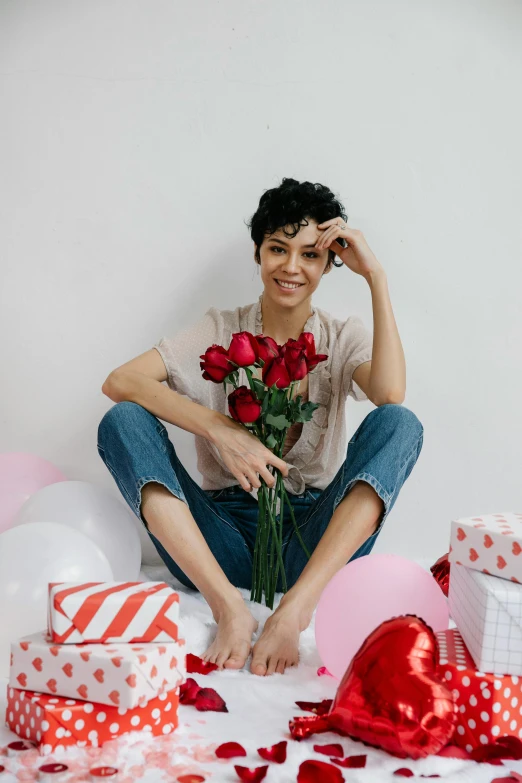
{"x":294,"y":203}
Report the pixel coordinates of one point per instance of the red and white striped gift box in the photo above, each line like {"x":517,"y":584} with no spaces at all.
{"x":108,"y":612}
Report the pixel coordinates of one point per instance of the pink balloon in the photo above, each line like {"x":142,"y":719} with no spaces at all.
{"x":366,"y":592}
{"x":21,"y":475}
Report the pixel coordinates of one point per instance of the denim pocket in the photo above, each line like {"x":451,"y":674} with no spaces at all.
{"x":312,"y":494}
{"x":219,"y":494}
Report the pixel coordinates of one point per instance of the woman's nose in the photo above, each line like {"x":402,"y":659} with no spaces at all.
{"x":291,"y":261}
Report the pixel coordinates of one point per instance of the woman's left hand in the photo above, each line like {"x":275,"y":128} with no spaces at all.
{"x":357,"y":256}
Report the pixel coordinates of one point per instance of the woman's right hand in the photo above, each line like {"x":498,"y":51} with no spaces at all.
{"x":245,"y":456}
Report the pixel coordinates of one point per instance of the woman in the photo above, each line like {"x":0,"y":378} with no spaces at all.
{"x":205,"y":535}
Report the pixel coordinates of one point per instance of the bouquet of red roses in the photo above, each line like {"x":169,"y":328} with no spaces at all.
{"x":268,"y":408}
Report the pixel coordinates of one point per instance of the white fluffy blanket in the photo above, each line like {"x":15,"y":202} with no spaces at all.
{"x":259,"y":711}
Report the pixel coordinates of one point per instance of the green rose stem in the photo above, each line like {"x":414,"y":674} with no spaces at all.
{"x":265,"y":569}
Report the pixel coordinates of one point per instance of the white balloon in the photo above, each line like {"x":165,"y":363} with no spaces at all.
{"x":91,"y":510}
{"x":31,"y":556}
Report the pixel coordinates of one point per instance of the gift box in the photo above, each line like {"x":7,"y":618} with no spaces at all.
{"x":112,"y":612}
{"x":491,"y":543}
{"x":488,"y":613}
{"x":54,"y":722}
{"x":121,"y":675}
{"x":489,"y":705}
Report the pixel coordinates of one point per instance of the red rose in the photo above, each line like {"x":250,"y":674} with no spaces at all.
{"x":243,"y":349}
{"x":295,"y":360}
{"x":275,"y":371}
{"x":268,"y":348}
{"x":216,"y":365}
{"x":244,"y":405}
{"x":312,"y":358}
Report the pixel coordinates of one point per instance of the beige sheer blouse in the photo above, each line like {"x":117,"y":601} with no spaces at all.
{"x":316,"y":456}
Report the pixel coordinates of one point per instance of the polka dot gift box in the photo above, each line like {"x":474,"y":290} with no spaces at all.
{"x":491,"y":543}
{"x":489,"y":705}
{"x":54,"y":722}
{"x":119,"y":675}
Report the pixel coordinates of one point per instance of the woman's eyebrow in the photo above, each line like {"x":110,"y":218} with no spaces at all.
{"x":286,"y":243}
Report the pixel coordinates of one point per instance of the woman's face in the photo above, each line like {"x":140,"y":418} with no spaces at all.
{"x":285,"y":260}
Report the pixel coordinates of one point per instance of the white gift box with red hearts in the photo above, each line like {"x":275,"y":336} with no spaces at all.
{"x":488,"y":613}
{"x":491,"y":543}
{"x":121,"y":675}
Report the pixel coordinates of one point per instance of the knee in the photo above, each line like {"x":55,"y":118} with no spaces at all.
{"x":122,"y":416}
{"x":401,"y":418}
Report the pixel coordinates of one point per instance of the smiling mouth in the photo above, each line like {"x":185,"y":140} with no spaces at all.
{"x":288,"y":286}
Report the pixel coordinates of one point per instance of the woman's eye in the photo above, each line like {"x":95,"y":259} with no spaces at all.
{"x":314,"y":255}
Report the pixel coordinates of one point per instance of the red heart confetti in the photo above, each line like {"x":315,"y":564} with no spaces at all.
{"x":319,"y":772}
{"x":191,"y":779}
{"x":208,"y":700}
{"x":404,"y":772}
{"x":251,"y":775}
{"x":275,"y":753}
{"x":330,"y":750}
{"x":351,"y":762}
{"x":318,"y":707}
{"x":196,"y":665}
{"x":229,"y":750}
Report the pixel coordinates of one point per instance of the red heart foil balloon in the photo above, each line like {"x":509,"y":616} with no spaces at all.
{"x":390,"y":696}
{"x":441,"y":573}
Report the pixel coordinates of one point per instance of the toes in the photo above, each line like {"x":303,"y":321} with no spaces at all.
{"x":258,"y":667}
{"x":272,"y":664}
{"x":280,"y":668}
{"x":235,"y":662}
{"x":222,"y":657}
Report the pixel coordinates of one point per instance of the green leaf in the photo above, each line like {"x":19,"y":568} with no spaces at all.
{"x":271,"y":442}
{"x":259,"y":386}
{"x":307,"y":411}
{"x":278,"y":422}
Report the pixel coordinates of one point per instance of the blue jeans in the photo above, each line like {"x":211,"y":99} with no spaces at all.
{"x":136,"y":449}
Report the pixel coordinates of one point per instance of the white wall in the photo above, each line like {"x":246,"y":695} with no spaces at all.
{"x":137,"y":137}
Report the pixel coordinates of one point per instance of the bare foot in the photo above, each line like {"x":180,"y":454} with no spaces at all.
{"x":278,"y":646}
{"x":233,"y":641}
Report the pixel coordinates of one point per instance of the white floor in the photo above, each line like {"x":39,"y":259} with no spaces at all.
{"x":259,"y":711}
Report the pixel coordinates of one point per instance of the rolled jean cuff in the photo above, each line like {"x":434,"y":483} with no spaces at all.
{"x":379,"y":489}
{"x":174,"y":490}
